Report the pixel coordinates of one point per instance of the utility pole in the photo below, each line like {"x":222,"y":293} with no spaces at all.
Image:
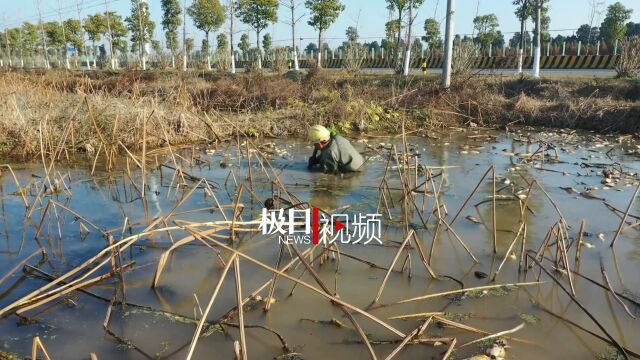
{"x":448,"y":39}
{"x":231,"y":21}
{"x":184,"y":36}
{"x":106,"y":12}
{"x":296,"y":66}
{"x":44,"y":38}
{"x":535,"y":72}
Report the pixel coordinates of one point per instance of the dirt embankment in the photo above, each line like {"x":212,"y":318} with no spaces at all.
{"x":62,"y":112}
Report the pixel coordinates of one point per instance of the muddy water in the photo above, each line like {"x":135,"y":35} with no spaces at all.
{"x":72,"y":326}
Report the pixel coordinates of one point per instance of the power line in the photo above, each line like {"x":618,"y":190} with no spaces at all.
{"x":64,"y":9}
{"x":67,"y":7}
{"x":55,"y":13}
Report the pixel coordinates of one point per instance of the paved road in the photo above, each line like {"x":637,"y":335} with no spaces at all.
{"x":570,"y":73}
{"x":554,"y":73}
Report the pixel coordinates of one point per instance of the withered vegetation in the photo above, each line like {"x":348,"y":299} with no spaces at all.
{"x":103,"y":107}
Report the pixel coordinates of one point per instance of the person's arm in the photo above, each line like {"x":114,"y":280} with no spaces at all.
{"x":331,"y":163}
{"x":313,"y":160}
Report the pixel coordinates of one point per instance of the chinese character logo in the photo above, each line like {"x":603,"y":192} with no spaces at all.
{"x":312,"y":226}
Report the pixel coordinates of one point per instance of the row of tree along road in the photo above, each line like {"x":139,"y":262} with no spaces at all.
{"x":111,"y":40}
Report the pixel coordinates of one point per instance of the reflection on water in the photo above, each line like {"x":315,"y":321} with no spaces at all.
{"x":327,"y":190}
{"x":72,"y":326}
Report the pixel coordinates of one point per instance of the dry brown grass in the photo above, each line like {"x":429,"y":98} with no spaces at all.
{"x":195,"y":108}
{"x":628,"y":65}
{"x":40,"y":107}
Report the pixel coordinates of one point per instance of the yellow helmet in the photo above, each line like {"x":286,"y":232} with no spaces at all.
{"x":318,"y":133}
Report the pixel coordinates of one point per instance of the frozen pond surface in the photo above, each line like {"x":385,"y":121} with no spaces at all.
{"x":586,"y":176}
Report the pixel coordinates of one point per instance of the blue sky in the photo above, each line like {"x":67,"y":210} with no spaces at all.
{"x":368,"y":15}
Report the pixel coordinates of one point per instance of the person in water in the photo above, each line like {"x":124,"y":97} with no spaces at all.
{"x":336,"y":154}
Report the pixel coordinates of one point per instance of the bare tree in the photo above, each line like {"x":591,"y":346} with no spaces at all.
{"x":473,"y":32}
{"x":292,"y":21}
{"x":106,"y":13}
{"x":64,"y":38}
{"x":44,"y":37}
{"x":79,"y":5}
{"x":413,"y":5}
{"x":596,"y":9}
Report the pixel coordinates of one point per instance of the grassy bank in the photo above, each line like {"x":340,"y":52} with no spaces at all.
{"x":65,"y":112}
